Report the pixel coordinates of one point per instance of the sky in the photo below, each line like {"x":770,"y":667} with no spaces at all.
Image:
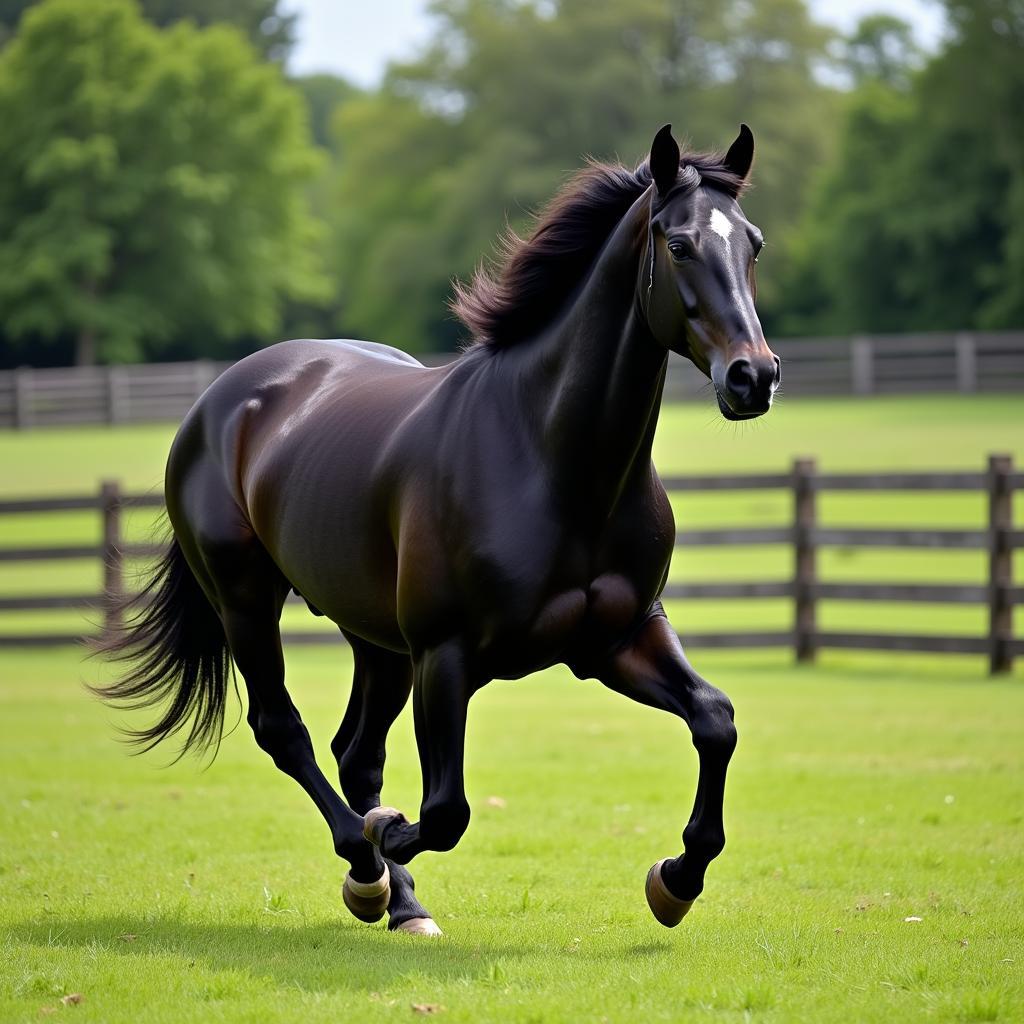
{"x":356,"y":38}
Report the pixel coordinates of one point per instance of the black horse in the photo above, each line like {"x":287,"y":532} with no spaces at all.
{"x":482,"y":520}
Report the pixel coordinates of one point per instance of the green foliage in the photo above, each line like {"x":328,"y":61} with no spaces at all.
{"x":843,"y":274}
{"x":152,"y":183}
{"x":324,"y":95}
{"x":156,"y":185}
{"x":881,"y":47}
{"x":919,"y":225}
{"x":509,"y":96}
{"x":270,"y":30}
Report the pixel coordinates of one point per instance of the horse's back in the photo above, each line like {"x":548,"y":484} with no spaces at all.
{"x":292,"y":381}
{"x":367,"y":349}
{"x":313,"y":361}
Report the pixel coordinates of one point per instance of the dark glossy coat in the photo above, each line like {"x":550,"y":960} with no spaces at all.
{"x":481,"y":520}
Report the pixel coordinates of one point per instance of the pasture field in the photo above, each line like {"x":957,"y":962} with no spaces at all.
{"x":875,"y":810}
{"x":873,"y":873}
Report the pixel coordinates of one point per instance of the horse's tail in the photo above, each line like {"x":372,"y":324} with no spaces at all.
{"x":175,"y":642}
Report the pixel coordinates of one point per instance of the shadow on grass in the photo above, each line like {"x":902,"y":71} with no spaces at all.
{"x":327,"y":957}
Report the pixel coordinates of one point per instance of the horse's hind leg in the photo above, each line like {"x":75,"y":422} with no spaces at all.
{"x":380,"y":688}
{"x":250,"y":593}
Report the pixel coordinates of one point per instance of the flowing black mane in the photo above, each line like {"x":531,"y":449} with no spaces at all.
{"x":532,"y":276}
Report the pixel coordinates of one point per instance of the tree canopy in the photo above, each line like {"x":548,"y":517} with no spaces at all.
{"x":508,"y":99}
{"x":151,"y":186}
{"x":919,"y":223}
{"x":270,"y":29}
{"x":166,"y":191}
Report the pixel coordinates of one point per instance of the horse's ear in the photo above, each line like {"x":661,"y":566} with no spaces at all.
{"x":664,"y":160}
{"x":741,"y":153}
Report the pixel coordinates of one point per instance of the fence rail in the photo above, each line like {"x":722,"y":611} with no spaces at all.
{"x":863,"y":365}
{"x":804,"y":536}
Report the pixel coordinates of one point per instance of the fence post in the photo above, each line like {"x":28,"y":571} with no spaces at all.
{"x":115,"y":395}
{"x":805,"y":577}
{"x":966,"y":363}
{"x":204,"y":373}
{"x":22,"y":398}
{"x":113,"y":559}
{"x":862,"y":357}
{"x":1000,"y":563}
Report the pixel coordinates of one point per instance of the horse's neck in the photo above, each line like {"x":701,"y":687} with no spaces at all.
{"x":593,"y":379}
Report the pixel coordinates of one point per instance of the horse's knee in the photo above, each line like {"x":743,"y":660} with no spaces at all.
{"x":712,"y":724}
{"x":442,"y":825}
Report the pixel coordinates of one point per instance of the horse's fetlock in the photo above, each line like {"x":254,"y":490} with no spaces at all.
{"x":704,"y":841}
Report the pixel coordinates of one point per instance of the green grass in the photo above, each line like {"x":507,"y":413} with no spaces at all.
{"x":939,"y":432}
{"x":864,"y":791}
{"x":951,"y":432}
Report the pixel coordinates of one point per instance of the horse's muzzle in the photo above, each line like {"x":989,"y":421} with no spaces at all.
{"x":748,"y":386}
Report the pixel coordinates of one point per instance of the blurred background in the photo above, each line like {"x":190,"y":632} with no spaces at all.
{"x":183,"y":181}
{"x":186,"y":178}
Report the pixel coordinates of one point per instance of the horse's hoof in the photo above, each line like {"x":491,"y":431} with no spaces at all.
{"x":377,"y":819}
{"x":419,"y":926}
{"x":367,"y":900}
{"x":668,"y":909}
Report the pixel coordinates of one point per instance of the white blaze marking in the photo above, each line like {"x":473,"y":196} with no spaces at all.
{"x":720,"y":224}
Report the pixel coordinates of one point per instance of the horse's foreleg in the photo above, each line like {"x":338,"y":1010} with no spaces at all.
{"x":381,"y":686}
{"x":441,"y":692}
{"x":653,"y":670}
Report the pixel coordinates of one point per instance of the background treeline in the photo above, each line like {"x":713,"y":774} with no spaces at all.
{"x":166,"y":191}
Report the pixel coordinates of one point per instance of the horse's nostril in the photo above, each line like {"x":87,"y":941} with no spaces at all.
{"x":778,"y":370}
{"x":741,"y":378}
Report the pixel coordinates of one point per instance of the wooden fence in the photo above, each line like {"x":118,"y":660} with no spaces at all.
{"x":882,"y":364}
{"x":803,"y":535}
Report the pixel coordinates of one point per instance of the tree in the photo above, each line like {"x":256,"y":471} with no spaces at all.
{"x":881,"y":47}
{"x":919,"y":225}
{"x":843,"y":275}
{"x":324,"y":94}
{"x":270,"y":30}
{"x":509,"y":97}
{"x":152,"y":183}
{"x":967,"y":219}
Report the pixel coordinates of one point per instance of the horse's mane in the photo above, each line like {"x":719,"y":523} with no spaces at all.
{"x":531,"y":276}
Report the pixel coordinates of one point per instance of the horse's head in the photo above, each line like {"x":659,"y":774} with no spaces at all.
{"x":697,"y":285}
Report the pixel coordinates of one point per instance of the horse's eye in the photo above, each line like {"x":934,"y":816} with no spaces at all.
{"x":757,"y":253}
{"x":679,"y":251}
